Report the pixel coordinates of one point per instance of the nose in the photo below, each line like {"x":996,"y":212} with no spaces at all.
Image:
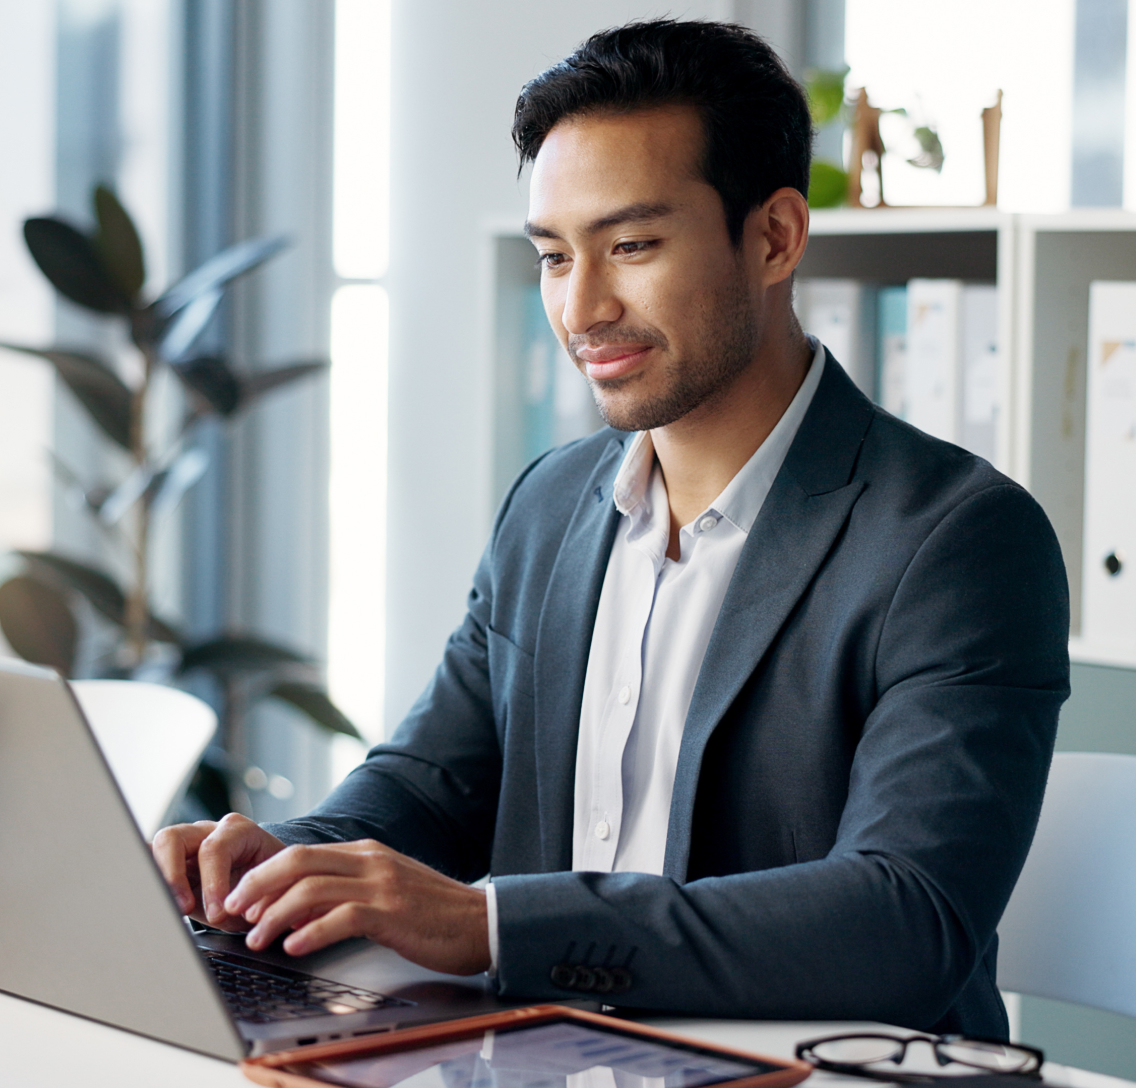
{"x":589,"y":299}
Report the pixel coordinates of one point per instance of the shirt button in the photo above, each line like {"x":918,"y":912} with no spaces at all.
{"x":707,"y":523}
{"x":625,"y":695}
{"x":603,"y":829}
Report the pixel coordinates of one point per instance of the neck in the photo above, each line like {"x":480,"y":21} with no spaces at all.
{"x":702,"y":452}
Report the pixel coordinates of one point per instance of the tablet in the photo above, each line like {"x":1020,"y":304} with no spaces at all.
{"x":545,"y":1046}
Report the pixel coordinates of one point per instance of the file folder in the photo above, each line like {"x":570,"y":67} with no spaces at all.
{"x":1108,"y":577}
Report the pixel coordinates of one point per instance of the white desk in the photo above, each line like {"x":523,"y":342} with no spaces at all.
{"x":42,"y":1048}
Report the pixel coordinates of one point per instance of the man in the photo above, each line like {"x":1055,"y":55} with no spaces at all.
{"x":753,"y":705}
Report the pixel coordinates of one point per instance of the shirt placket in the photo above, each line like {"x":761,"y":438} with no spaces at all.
{"x":606,"y":815}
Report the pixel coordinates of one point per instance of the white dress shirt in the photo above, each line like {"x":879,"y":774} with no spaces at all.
{"x":652,"y":628}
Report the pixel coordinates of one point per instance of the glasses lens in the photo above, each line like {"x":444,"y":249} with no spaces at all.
{"x":857,"y":1050}
{"x":997,"y":1057}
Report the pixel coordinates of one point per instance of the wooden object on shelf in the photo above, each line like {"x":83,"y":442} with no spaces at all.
{"x":991,"y":138}
{"x":865,"y":140}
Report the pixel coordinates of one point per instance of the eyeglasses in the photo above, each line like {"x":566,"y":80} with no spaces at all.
{"x":857,"y":1054}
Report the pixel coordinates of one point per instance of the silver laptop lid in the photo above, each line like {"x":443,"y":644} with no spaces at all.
{"x":86,"y":922}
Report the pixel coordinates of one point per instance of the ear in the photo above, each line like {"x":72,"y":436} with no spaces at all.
{"x":775,"y":235}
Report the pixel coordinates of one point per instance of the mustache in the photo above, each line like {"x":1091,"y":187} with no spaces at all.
{"x":616,"y":334}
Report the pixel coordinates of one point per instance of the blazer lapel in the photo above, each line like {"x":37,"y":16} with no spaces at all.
{"x":563,"y":642}
{"x":806,"y":508}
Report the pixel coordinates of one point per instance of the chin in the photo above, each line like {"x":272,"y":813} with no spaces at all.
{"x":641,"y":413}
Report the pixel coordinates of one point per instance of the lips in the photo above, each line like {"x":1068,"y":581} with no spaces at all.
{"x":612,"y":360}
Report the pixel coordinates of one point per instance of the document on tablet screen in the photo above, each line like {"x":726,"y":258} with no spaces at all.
{"x":557,"y":1055}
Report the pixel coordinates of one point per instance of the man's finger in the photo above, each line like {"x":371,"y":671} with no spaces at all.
{"x":310,"y":896}
{"x":172,"y":846}
{"x":274,"y":877}
{"x":232,"y":843}
{"x":337,"y":924}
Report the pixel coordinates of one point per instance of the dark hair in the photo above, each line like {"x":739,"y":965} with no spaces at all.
{"x":755,"y":115}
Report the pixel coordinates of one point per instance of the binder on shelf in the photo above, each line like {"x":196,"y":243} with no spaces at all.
{"x":981,"y":371}
{"x":842,"y":315}
{"x":892,"y":350}
{"x":558,"y":405}
{"x":1108,"y":577}
{"x":931,"y":374}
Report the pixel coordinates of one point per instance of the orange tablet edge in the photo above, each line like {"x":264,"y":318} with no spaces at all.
{"x":266,"y":1069}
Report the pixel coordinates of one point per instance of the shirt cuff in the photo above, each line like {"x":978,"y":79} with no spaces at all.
{"x":491,"y":912}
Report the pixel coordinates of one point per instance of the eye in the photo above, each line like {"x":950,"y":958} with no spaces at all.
{"x":629,"y":249}
{"x":551,"y":260}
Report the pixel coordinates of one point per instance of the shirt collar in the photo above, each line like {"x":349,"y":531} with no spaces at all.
{"x":742,"y":498}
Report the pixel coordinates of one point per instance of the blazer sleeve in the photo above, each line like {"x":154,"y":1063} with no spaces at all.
{"x":945,"y":791}
{"x":431,"y":792}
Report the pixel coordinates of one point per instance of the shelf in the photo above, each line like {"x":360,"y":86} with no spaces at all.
{"x":1087,"y":653}
{"x":1042,"y":266}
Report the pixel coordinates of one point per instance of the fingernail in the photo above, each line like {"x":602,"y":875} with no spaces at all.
{"x":231,"y":903}
{"x":185,"y":902}
{"x":253,"y":939}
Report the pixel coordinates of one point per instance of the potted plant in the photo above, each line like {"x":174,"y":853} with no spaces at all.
{"x":104,"y":272}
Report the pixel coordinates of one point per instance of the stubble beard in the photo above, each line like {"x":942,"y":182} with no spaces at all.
{"x":724,"y":347}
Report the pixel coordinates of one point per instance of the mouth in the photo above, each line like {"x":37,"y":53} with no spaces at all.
{"x":613,"y":361}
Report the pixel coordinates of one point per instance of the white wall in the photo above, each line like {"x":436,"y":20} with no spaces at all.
{"x":27,"y":135}
{"x":944,"y":63}
{"x":456,"y":70}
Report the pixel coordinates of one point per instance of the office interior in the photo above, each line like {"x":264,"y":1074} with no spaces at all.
{"x":343,"y":516}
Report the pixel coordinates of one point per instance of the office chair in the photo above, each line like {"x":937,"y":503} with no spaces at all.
{"x":152,"y":736}
{"x":1069,"y":932}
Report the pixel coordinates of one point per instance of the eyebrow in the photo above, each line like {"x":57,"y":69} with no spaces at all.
{"x":632,"y":213}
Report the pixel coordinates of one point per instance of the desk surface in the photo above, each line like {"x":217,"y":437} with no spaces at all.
{"x":42,"y":1048}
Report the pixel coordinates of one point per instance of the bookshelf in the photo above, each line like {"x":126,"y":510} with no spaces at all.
{"x":1042,"y":266}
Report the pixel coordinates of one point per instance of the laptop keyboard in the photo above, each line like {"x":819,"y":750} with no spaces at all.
{"x":261,"y":993}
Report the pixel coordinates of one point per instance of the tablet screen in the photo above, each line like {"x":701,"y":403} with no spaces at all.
{"x":561,"y":1054}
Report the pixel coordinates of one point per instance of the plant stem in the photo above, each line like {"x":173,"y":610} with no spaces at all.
{"x":137,"y":601}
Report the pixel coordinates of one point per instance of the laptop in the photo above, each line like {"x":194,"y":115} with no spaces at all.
{"x":87,"y":924}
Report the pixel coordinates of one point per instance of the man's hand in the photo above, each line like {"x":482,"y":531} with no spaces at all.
{"x":201,"y":862}
{"x":363,"y":889}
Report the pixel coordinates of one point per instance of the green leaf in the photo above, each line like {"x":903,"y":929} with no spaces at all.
{"x":825,"y":92}
{"x":169,"y":485}
{"x":217,"y":271}
{"x":314,"y":702}
{"x":255,"y":385}
{"x":187,"y":325}
{"x":118,"y":243}
{"x":102,"y":592}
{"x":828,"y":185}
{"x":73,"y":265}
{"x":224,"y":392}
{"x":211,"y":378}
{"x":930,"y":155}
{"x":38,"y":623}
{"x":98,"y":388}
{"x":231,"y":655}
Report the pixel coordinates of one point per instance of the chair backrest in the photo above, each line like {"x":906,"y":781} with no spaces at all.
{"x":1069,"y":932}
{"x":152,"y":736}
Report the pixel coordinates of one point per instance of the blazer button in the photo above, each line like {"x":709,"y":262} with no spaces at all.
{"x":585,"y":979}
{"x":604,"y":980}
{"x":620,"y":980}
{"x":562,"y":975}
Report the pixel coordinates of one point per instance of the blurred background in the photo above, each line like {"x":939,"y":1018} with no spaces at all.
{"x":341,"y":518}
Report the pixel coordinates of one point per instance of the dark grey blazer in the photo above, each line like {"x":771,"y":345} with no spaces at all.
{"x":863,"y":760}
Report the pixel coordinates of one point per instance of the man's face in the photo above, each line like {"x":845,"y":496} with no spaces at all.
{"x":638,"y":275}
